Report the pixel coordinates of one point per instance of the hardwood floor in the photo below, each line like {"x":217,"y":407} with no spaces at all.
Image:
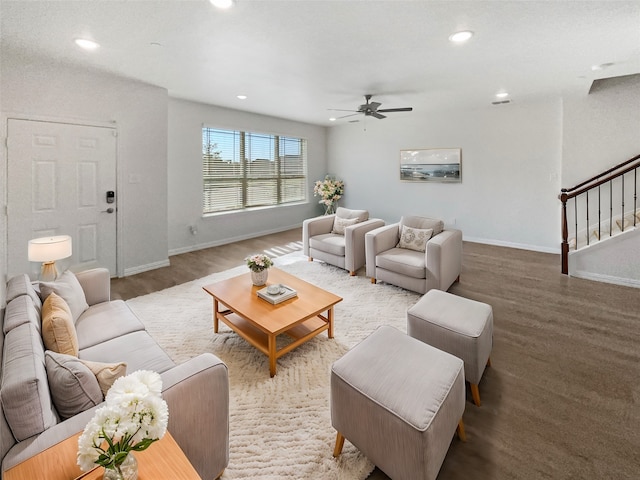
{"x":561,"y":399}
{"x":190,"y":266}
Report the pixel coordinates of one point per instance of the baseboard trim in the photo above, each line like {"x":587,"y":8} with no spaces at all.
{"x":224,"y":241}
{"x":146,"y":268}
{"x":598,"y":277}
{"x":520,"y":246}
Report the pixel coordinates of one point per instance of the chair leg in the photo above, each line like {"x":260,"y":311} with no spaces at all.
{"x":311,"y":259}
{"x":475,"y":393}
{"x":460,"y":431}
{"x":373,"y":280}
{"x":353,"y":274}
{"x":339,"y":444}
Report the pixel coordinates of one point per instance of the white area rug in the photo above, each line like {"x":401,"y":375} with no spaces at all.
{"x":279,"y":427}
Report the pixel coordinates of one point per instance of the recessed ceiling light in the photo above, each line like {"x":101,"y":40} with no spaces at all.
{"x":156,"y":44}
{"x":332,"y":119}
{"x":241,"y":97}
{"x":460,"y":37}
{"x":502,"y":94}
{"x":86,"y":43}
{"x":222,"y":3}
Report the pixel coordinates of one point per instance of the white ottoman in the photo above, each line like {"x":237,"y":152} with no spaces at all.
{"x":399,"y":401}
{"x":457,"y":325}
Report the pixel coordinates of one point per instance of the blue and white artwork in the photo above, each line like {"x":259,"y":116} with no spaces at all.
{"x":431,"y":165}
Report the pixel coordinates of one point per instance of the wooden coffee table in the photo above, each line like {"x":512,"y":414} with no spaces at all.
{"x":260,"y":323}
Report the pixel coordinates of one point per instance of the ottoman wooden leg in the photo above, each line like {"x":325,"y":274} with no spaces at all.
{"x":460,"y":431}
{"x":339,"y":444}
{"x":475,"y":393}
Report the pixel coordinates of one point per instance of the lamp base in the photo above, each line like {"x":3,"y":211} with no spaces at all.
{"x":49,"y":272}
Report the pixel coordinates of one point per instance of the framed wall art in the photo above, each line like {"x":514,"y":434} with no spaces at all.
{"x":431,"y":165}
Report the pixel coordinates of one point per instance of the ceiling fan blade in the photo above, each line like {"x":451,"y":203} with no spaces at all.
{"x":377,"y":115}
{"x":405,"y":109}
{"x":341,"y":110}
{"x":351,"y":115}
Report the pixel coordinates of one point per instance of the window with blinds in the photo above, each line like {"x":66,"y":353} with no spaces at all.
{"x":244,"y":170}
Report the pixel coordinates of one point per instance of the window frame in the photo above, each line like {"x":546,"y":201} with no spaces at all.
{"x":238,"y":167}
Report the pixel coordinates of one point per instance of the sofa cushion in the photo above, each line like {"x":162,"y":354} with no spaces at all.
{"x":361,"y":215}
{"x":74,"y":388}
{"x":106,"y":373}
{"x":58,"y":331}
{"x":414,"y":238}
{"x":329,"y":243}
{"x":140,"y":351}
{"x":423,"y":223}
{"x":21,"y":285}
{"x":339,"y":224}
{"x":67,"y":287}
{"x":24,"y":392}
{"x":21,"y":310}
{"x":403,"y":261}
{"x":104,"y":321}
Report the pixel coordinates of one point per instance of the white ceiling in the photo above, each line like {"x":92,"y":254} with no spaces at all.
{"x":296,"y":59}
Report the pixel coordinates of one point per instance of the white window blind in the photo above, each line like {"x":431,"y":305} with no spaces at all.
{"x":243,"y":170}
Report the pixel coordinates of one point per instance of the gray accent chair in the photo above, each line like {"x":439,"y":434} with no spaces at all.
{"x":321,"y":241}
{"x":437,"y":267}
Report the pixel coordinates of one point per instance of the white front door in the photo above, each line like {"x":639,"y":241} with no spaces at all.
{"x":57,"y":183}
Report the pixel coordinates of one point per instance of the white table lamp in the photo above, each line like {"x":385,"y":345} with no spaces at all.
{"x":47,"y":250}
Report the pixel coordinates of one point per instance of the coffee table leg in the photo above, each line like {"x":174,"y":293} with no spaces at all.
{"x":215,"y":315}
{"x":330,"y":317}
{"x":272,"y":355}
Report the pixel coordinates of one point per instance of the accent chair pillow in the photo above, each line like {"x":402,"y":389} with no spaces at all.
{"x":106,"y":373}
{"x":74,"y":388}
{"x":339,"y":224}
{"x":68,"y":287}
{"x":58,"y":329}
{"x":415,"y":238}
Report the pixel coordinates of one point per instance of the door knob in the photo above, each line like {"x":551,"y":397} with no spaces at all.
{"x":108,"y":210}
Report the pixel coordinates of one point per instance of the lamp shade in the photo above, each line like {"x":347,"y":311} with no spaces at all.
{"x":49,"y":249}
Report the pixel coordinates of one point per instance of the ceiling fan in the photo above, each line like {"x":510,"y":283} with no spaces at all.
{"x":371,"y":109}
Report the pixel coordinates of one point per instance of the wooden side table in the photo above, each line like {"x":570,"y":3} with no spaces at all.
{"x":163,"y":459}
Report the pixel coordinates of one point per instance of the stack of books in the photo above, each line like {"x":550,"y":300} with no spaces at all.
{"x":279,"y":295}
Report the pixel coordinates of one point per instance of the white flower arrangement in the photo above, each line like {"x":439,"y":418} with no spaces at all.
{"x":133,"y":417}
{"x":258,"y":262}
{"x":330,"y":190}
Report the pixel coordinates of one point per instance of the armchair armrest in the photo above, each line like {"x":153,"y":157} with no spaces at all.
{"x":315,"y":226}
{"x":444,"y":257}
{"x":376,"y":241}
{"x":197,"y":394}
{"x":354,"y":243}
{"x":96,"y":284}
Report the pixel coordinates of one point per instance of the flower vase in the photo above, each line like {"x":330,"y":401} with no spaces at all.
{"x":259,"y":278}
{"x":127,"y":470}
{"x":329,"y":209}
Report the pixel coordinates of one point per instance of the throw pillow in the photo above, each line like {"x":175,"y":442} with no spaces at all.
{"x":67,"y":287}
{"x":74,"y":388}
{"x":339,"y":224}
{"x":106,"y":373}
{"x":415,"y":238}
{"x":58,"y":330}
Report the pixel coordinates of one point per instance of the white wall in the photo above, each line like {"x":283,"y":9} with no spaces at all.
{"x":600,"y":130}
{"x":511,"y":161}
{"x":35,"y":87}
{"x":185,"y":177}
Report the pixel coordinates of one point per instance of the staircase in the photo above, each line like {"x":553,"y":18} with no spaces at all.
{"x":601,"y":226}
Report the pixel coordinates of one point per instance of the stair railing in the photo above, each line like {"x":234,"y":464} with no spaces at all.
{"x":594,"y":185}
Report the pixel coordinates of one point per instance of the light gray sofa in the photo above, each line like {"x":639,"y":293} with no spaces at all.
{"x":197,"y":391}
